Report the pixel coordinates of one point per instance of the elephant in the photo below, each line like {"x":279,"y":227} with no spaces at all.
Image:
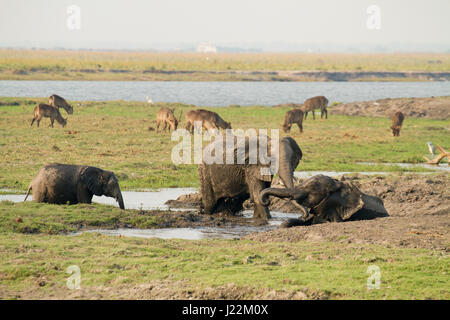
{"x":224,"y":187}
{"x":66,"y":183}
{"x":328,"y":199}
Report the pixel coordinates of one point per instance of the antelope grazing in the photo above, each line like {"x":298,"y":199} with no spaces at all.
{"x":59,"y":102}
{"x":397,"y":121}
{"x":46,"y":111}
{"x":291,"y":117}
{"x":319,"y":102}
{"x":209,"y":120}
{"x":167,"y":117}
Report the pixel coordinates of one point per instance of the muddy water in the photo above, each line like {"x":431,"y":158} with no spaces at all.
{"x":147,"y":200}
{"x":234,"y":232}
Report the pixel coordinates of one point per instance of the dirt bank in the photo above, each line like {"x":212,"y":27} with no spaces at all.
{"x":433,"y":108}
{"x":418,"y":206}
{"x":207,"y":75}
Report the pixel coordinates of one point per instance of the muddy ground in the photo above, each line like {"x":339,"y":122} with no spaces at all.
{"x":432,"y":108}
{"x":418,"y":207}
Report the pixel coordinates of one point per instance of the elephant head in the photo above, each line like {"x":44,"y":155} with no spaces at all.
{"x":328,"y":199}
{"x":101,"y":182}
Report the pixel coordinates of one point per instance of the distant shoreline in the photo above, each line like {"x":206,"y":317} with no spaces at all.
{"x":171,"y":66}
{"x":201,"y":75}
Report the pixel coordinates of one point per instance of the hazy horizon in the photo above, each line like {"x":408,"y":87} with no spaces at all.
{"x":252,"y":25}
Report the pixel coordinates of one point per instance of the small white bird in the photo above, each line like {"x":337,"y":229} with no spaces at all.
{"x":148,"y":100}
{"x":431,"y":147}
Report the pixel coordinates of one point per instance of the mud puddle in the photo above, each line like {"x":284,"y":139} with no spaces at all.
{"x":140,"y":200}
{"x":198,"y":233}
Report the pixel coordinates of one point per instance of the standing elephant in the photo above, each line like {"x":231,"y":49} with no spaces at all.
{"x":329,"y":200}
{"x":66,"y":183}
{"x":227,"y":186}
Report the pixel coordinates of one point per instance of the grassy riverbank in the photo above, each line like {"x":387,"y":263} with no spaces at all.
{"x":34,"y":266}
{"x":115,"y":135}
{"x":151,"y":66}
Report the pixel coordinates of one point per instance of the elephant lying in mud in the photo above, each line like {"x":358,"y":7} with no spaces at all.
{"x":328,"y":200}
{"x":66,"y":183}
{"x":224,"y":187}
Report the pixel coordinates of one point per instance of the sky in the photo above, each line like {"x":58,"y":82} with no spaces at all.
{"x":281,"y":24}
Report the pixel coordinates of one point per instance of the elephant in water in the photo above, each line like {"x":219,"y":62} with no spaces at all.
{"x":328,"y":200}
{"x":224,"y":187}
{"x":66,"y":183}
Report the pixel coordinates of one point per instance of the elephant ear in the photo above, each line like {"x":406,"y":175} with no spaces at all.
{"x":245,"y":154}
{"x":290,"y":155}
{"x":341,"y":204}
{"x":92,"y":178}
{"x":297,"y":152}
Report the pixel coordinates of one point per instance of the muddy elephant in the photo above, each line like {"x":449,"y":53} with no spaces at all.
{"x":66,"y":183}
{"x":224,"y":187}
{"x":328,"y":200}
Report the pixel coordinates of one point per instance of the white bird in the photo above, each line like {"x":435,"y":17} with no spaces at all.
{"x":431,"y":147}
{"x":148,"y":100}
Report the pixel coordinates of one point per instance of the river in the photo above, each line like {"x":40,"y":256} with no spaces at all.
{"x":222,"y":93}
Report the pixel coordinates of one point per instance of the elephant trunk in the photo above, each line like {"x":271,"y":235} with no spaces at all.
{"x":291,"y":193}
{"x":277,"y":192}
{"x":119,"y":199}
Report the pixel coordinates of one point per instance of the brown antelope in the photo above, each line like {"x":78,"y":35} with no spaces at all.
{"x":319,"y":102}
{"x":291,"y":117}
{"x":167,"y":117}
{"x":397,"y":121}
{"x":209,"y":120}
{"x":59,"y":102}
{"x":46,"y":111}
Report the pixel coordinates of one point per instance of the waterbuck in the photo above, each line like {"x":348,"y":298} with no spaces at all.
{"x":59,"y":102}
{"x":319,"y":102}
{"x":46,"y":111}
{"x":397,"y":121}
{"x":209,"y":120}
{"x":291,"y":117}
{"x":167,"y":117}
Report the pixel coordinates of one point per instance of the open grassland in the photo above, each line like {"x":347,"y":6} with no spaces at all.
{"x":115,"y":136}
{"x":35,"y":250}
{"x":34,"y":266}
{"x":91,"y":65}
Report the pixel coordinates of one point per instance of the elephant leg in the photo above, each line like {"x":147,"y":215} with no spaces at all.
{"x":83,"y":194}
{"x":259,"y":211}
{"x":208,"y":200}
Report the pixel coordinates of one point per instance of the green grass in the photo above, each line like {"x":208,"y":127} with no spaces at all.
{"x":331,"y":270}
{"x":114,"y":136}
{"x":88,"y":65}
{"x":56,"y":219}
